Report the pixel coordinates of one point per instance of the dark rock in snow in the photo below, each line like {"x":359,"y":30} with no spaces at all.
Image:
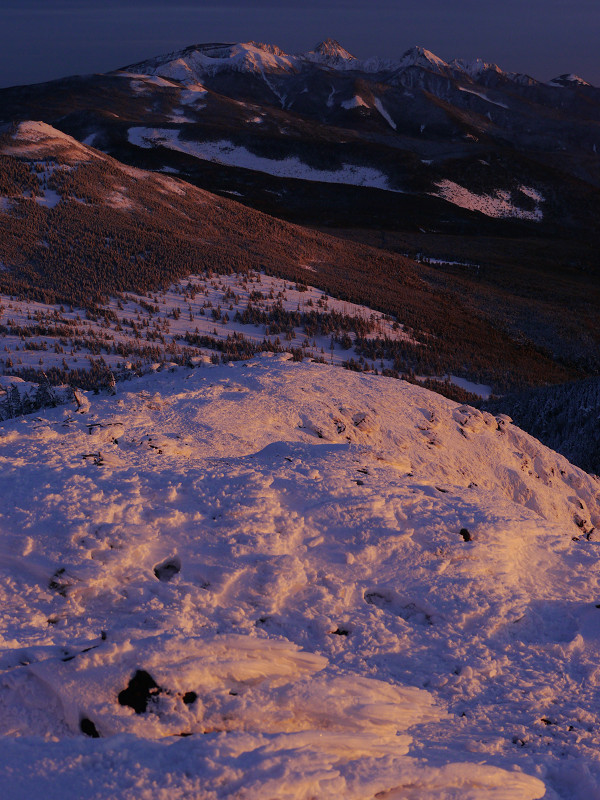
{"x":140,"y":690}
{"x":87,"y":727}
{"x":340,"y":632}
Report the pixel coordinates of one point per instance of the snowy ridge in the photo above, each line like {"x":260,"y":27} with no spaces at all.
{"x":332,"y":585}
{"x":191,"y":64}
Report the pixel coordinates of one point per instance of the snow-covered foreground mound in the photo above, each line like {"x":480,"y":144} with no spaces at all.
{"x":281,"y":580}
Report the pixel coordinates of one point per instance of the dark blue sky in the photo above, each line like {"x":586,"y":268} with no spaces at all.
{"x":45,"y":39}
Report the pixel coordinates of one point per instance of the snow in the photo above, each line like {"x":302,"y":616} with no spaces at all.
{"x":50,"y":199}
{"x":192,"y":94}
{"x":534,"y":194}
{"x":45,"y":198}
{"x":193,"y":64}
{"x":138,"y":81}
{"x":34,"y":137}
{"x":331,"y":54}
{"x":325,"y":628}
{"x":190,"y":67}
{"x":178,"y":116}
{"x":225,"y":152}
{"x":183,"y":308}
{"x":354,"y":102}
{"x":420,"y":57}
{"x":445,"y":261}
{"x":39,"y":131}
{"x":118,"y":199}
{"x":474,"y":67}
{"x":569,"y":79}
{"x":482,"y":95}
{"x":480,"y":389}
{"x":384,"y":113}
{"x":500,"y":204}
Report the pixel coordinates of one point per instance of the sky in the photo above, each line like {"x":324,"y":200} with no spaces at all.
{"x":46,"y":39}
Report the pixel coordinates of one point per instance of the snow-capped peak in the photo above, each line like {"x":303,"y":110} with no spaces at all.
{"x":420,"y":57}
{"x":568,"y":79}
{"x":329,"y":51}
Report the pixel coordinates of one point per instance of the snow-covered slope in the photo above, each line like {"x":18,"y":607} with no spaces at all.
{"x":226,"y":152}
{"x":285,"y":580}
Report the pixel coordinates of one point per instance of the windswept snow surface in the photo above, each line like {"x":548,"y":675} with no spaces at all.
{"x":225,"y":152}
{"x":323,"y":585}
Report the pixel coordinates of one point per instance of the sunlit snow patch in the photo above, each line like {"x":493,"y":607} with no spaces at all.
{"x":499,"y":205}
{"x":354,"y":102}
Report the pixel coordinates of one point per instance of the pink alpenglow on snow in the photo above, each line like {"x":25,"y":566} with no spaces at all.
{"x":279,"y":579}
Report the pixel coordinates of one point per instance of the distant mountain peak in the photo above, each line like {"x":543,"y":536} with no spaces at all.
{"x":331,"y":47}
{"x":329,"y":51}
{"x":418,"y":56}
{"x":568,"y":79}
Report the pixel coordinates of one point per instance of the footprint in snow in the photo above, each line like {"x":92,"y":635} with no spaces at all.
{"x":390,"y":602}
{"x":166,"y":570}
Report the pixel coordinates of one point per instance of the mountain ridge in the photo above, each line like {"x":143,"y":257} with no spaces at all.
{"x":331,"y":54}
